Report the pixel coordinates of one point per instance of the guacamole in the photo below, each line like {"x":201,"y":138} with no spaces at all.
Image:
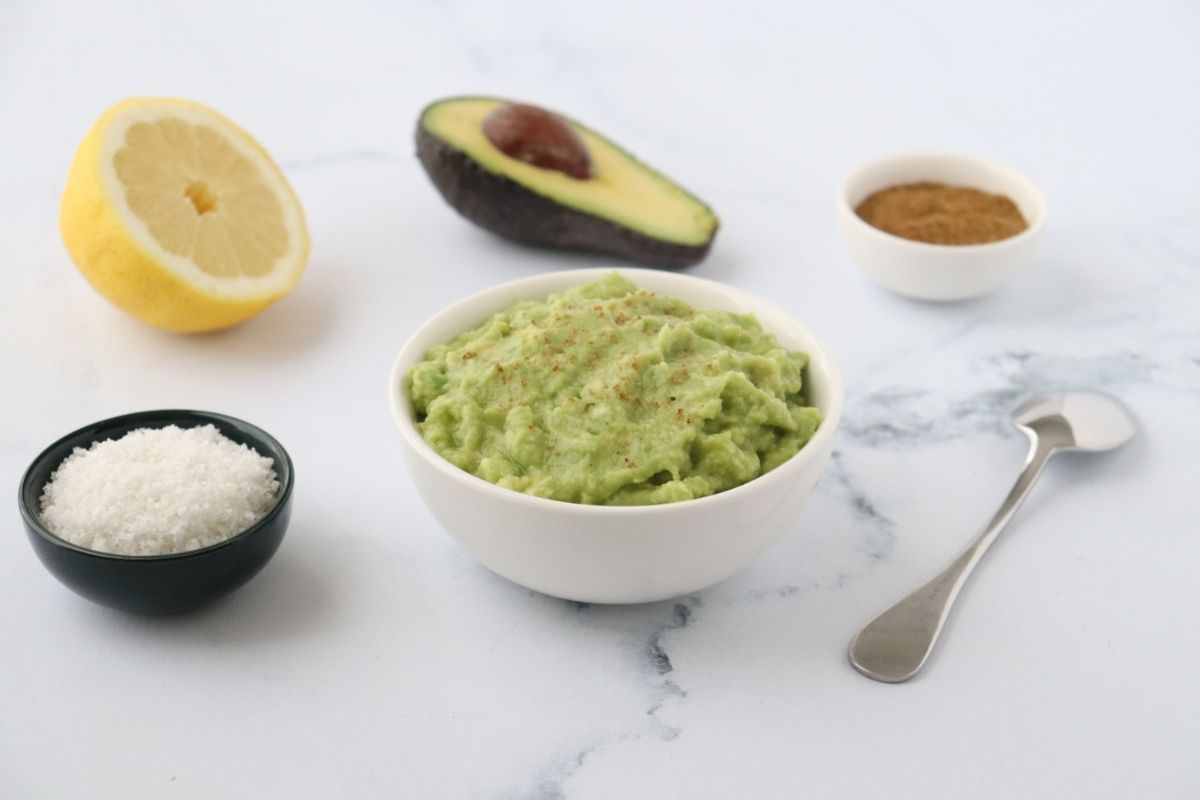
{"x":610,"y":394}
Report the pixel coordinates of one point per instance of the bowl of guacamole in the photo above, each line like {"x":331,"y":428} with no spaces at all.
{"x":615,"y":435}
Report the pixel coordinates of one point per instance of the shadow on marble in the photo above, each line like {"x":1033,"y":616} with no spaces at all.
{"x":1056,"y":281}
{"x":289,"y":327}
{"x":1075,"y":474}
{"x":288,"y":600}
{"x":721,"y":265}
{"x":626,"y":616}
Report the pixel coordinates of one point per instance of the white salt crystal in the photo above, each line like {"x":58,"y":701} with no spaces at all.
{"x":158,"y":490}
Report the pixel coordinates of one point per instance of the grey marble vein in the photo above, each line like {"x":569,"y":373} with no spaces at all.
{"x":897,"y":416}
{"x":550,"y":783}
{"x":877,"y":528}
{"x":660,"y":661}
{"x":654,"y":661}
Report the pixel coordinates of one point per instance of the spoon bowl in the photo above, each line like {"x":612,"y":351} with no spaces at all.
{"x":1078,"y":420}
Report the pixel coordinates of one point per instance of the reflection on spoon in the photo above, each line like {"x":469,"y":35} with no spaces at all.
{"x":895,"y":646}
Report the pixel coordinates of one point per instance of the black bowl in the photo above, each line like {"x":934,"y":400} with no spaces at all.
{"x":158,"y":584}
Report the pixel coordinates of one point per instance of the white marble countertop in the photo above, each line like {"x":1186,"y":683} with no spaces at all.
{"x":374,"y":658}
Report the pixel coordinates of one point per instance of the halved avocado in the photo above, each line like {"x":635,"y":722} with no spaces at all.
{"x":621,"y":208}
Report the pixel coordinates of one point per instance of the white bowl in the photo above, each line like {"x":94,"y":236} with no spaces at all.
{"x":614,"y":554}
{"x":938,"y":271}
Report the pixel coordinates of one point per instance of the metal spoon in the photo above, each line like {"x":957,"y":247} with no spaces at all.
{"x":895,"y":646}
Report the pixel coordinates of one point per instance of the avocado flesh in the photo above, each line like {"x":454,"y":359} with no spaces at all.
{"x":624,"y":209}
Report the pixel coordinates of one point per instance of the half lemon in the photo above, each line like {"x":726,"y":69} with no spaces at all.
{"x":180,"y":218}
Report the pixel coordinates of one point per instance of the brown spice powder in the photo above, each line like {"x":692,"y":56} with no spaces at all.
{"x":941,"y":214}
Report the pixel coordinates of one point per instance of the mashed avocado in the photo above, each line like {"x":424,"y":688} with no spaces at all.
{"x":608,"y":394}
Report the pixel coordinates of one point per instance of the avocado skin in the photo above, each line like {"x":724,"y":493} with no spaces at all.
{"x":508,"y":209}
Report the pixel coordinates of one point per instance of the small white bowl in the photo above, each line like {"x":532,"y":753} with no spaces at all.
{"x":938,"y":271}
{"x":616,"y":554}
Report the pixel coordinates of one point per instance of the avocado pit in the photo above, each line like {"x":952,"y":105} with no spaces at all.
{"x":538,"y":137}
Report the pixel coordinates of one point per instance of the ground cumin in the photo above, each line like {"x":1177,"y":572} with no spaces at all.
{"x":941,"y":214}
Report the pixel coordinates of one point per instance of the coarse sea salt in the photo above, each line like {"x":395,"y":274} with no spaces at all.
{"x":157,"y":491}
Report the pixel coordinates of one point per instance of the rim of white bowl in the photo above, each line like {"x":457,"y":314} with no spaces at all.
{"x":1012,"y":175}
{"x":402,"y":409}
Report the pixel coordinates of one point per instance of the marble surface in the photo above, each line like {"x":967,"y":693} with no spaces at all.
{"x":373,"y":658}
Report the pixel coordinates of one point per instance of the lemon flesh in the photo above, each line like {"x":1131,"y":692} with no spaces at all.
{"x":178,"y":217}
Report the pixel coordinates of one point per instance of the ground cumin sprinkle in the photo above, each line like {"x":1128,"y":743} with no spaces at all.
{"x":941,"y":214}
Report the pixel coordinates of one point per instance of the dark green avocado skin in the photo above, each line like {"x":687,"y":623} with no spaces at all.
{"x":508,"y":209}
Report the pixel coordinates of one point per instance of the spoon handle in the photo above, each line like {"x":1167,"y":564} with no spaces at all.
{"x":896,"y":644}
